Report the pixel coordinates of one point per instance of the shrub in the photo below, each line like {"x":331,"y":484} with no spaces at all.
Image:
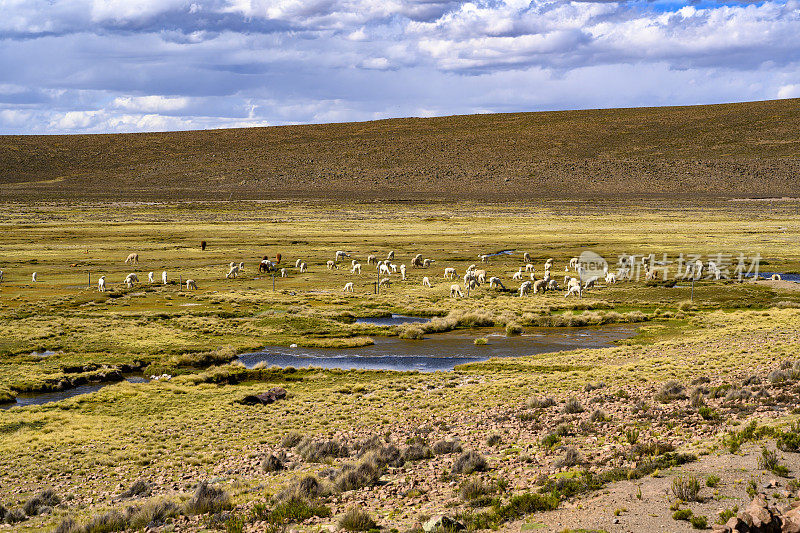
{"x":482,"y":341}
{"x":597,"y":416}
{"x":444,"y":447}
{"x":727,"y":514}
{"x":68,"y":525}
{"x":573,"y":406}
{"x":365,"y":474}
{"x":470,"y":462}
{"x":541,"y":403}
{"x":15,"y":515}
{"x":514,"y":330}
{"x":153,"y":512}
{"x":789,"y":441}
{"x":417,"y":452}
{"x":707,"y":413}
{"x":699,"y":522}
{"x":271,"y":463}
{"x":140,"y":488}
{"x":712,"y":481}
{"x":293,"y":510}
{"x":571,"y":458}
{"x":686,"y":488}
{"x":475,"y":492}
{"x":632,"y":435}
{"x":356,"y":519}
{"x":769,"y":461}
{"x":105,"y":523}
{"x":494,"y":440}
{"x":670,"y":391}
{"x":41,"y":503}
{"x":682,"y":514}
{"x":207,"y":499}
{"x":550,"y":440}
{"x":320,"y":451}
{"x":291,"y":439}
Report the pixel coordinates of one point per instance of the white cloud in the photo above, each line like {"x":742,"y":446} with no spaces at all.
{"x":153,"y":103}
{"x":375,"y":63}
{"x":789,"y":91}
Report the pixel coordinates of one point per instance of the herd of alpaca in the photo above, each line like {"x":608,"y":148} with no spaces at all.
{"x":473,"y":277}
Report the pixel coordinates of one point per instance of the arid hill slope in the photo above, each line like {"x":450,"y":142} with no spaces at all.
{"x":731,"y":150}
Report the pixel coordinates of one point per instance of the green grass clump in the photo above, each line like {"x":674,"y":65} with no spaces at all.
{"x":207,"y":499}
{"x":356,"y":519}
{"x":686,"y":488}
{"x":469,"y":462}
{"x":699,"y":522}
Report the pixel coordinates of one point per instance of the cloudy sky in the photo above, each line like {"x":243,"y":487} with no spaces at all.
{"x":76,"y":66}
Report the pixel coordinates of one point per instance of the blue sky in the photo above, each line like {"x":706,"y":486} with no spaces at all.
{"x":97,"y":66}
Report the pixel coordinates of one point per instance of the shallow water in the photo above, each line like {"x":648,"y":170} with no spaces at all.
{"x":441,"y":351}
{"x":47,"y":397}
{"x":393,"y":320}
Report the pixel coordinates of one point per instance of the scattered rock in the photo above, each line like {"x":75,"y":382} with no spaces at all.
{"x":273,"y":395}
{"x":441,"y":523}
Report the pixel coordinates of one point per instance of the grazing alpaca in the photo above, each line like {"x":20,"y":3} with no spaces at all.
{"x":539,"y":286}
{"x":356,"y":269}
{"x":390,"y":256}
{"x":297,"y":263}
{"x":371,"y":260}
{"x":384,"y":269}
{"x":191,"y":285}
{"x":403,"y":272}
{"x":527,"y":257}
{"x":340,"y":255}
{"x":33,"y":277}
{"x":417,"y":261}
{"x":529,"y":267}
{"x":611,"y":278}
{"x":283,"y":273}
{"x":101,"y":284}
{"x":524,"y":288}
{"x":233,"y":271}
{"x":131,"y":279}
{"x":574,"y":289}
{"x":385,"y":282}
{"x":517,"y":275}
{"x":348,"y":287}
{"x":449,"y":273}
{"x":427,"y":262}
{"x":426,"y":282}
{"x":164,"y":277}
{"x":455,"y":291}
{"x":331,"y":265}
{"x":303,"y":267}
{"x":495,"y":282}
{"x":150,"y":278}
{"x":132,"y":259}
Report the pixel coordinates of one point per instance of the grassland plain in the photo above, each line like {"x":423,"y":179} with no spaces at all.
{"x":491,"y":443}
{"x":746,"y":149}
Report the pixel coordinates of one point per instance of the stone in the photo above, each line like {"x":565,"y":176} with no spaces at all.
{"x":440,"y":523}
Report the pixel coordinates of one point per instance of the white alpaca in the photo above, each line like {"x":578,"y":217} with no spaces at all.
{"x":524,"y":288}
{"x":241,"y":267}
{"x":385,"y":282}
{"x":371,"y":259}
{"x":650,"y":275}
{"x":340,"y":255}
{"x":303,"y":266}
{"x":484,"y":258}
{"x":575,"y":289}
{"x":455,"y":291}
{"x":527,"y":257}
{"x":101,"y":284}
{"x":191,"y":285}
{"x":449,"y":273}
{"x":390,"y":256}
{"x":480,"y":275}
{"x":590,"y":282}
{"x":233,"y":271}
{"x":546,"y":277}
{"x":132,"y":259}
{"x":393,"y":267}
{"x":297,"y":263}
{"x":494,"y":282}
{"x":131,"y":279}
{"x":164,"y":277}
{"x":417,"y":261}
{"x":470,"y":275}
{"x":552,"y":285}
{"x":517,"y":275}
{"x":426,"y":282}
{"x":573,"y":282}
{"x":403,"y":272}
{"x":566,"y":279}
{"x":150,"y":278}
{"x":573,"y":263}
{"x":348,"y":287}
{"x":472,"y":267}
{"x":471,"y":284}
{"x":283,"y":273}
{"x":427,"y":262}
{"x":384,"y":269}
{"x":33,"y":277}
{"x":774,"y":277}
{"x":1,"y":275}
{"x":331,"y":265}
{"x":356,"y":269}
{"x":539,"y":286}
{"x":529,"y":267}
{"x":611,"y":278}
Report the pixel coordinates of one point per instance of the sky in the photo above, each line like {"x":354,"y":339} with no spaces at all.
{"x":108,"y":66}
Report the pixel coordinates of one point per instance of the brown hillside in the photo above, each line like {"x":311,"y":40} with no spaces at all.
{"x":747,"y":149}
